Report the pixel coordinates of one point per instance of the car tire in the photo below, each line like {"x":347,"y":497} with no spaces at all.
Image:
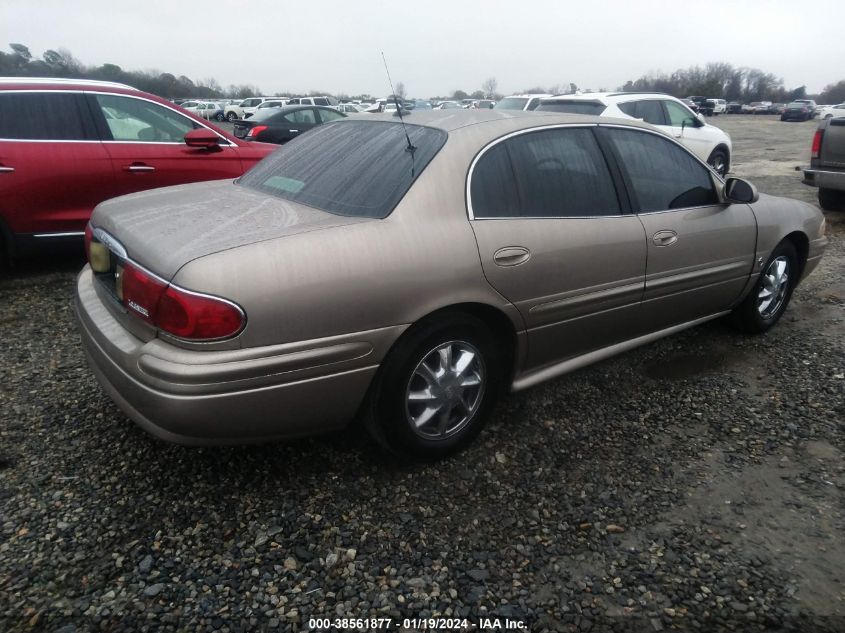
{"x":436,"y":388}
{"x":768,"y":299}
{"x":220,"y":117}
{"x":719,"y":161}
{"x":831,"y":199}
{"x":231,"y":117}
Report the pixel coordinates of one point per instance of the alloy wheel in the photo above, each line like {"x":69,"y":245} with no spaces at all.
{"x":774,"y":287}
{"x":445,"y":390}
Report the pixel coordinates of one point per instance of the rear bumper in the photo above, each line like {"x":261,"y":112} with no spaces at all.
{"x":230,"y":396}
{"x":825,"y":178}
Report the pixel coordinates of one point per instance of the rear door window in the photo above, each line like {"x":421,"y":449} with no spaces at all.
{"x":649,"y":110}
{"x":53,"y":115}
{"x":301,"y":116}
{"x":557,"y":173}
{"x":354,"y":168}
{"x":661,"y":174}
{"x":493,"y":189}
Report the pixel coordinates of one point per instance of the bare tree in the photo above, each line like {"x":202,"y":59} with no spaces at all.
{"x":400,"y":90}
{"x":489,"y":87}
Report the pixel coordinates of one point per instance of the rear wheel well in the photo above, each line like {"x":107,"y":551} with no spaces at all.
{"x":500,"y":325}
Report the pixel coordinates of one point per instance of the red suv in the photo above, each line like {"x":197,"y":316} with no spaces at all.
{"x":67,"y":145}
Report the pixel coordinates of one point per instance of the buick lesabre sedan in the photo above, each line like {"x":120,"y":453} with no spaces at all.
{"x":408,"y":273}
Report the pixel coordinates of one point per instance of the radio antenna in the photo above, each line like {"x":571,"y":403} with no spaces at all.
{"x":410,"y":147}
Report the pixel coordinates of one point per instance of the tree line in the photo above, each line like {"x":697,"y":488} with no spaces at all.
{"x":20,"y":62}
{"x":721,"y":80}
{"x":715,"y":80}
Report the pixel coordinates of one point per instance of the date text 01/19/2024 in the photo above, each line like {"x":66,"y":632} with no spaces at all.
{"x":416,"y":624}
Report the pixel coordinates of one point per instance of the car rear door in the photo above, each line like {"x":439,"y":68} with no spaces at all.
{"x":555,"y":240}
{"x":700,"y":250}
{"x":53,"y":168}
{"x":145,"y":141}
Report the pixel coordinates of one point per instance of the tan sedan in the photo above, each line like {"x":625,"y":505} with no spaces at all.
{"x":407,"y":274}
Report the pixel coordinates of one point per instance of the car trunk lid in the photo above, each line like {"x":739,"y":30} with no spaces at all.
{"x":164,"y":229}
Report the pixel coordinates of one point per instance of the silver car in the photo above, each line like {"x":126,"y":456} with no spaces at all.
{"x":408,"y":271}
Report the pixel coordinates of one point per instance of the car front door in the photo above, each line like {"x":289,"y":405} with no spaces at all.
{"x":688,"y":129}
{"x":53,"y":168}
{"x":555,"y":241}
{"x":700,"y":250}
{"x":145,"y":141}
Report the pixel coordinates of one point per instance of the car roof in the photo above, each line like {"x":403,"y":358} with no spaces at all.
{"x":529,"y":95}
{"x":58,"y":82}
{"x":503,"y":121}
{"x":607,"y":97}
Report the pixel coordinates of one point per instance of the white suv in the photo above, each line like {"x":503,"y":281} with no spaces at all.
{"x":520,"y":102}
{"x":665,"y":112}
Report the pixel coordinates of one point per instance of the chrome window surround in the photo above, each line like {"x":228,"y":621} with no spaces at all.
{"x":501,"y":139}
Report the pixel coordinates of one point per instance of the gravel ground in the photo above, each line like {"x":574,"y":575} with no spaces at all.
{"x":694,"y":484}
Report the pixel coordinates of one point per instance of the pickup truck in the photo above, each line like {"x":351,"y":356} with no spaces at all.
{"x":827,"y":164}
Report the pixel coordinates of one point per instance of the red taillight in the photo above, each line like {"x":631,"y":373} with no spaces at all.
{"x":179,"y":312}
{"x":255,"y":131}
{"x":817,"y":145}
{"x":195,"y":316}
{"x":140,"y":292}
{"x":89,"y":234}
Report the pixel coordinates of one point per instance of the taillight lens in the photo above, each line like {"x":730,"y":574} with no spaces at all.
{"x":255,"y":131}
{"x":817,"y":145}
{"x":193,"y":316}
{"x":179,"y":312}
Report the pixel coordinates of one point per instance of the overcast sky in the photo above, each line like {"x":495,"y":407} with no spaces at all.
{"x":436,"y":46}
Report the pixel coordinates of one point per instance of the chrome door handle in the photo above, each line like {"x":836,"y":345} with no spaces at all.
{"x":6,"y":170}
{"x":664,"y":238}
{"x":137,"y":167}
{"x":511,"y":256}
{"x":294,"y":131}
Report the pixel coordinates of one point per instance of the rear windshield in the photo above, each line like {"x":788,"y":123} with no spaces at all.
{"x":355,"y":168}
{"x":511,"y":103}
{"x":572,"y":106}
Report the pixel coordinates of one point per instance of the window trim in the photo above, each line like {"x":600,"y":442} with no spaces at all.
{"x":624,"y":209}
{"x":629,"y":186}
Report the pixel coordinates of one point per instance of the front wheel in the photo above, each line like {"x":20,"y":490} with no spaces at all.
{"x":436,"y":388}
{"x":220,"y":117}
{"x":231,"y":117}
{"x":767,"y":301}
{"x":719,"y":161}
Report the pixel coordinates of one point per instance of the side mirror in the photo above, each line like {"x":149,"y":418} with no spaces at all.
{"x":202,"y":137}
{"x":739,"y":190}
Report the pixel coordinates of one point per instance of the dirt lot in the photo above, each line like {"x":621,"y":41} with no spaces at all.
{"x":694,"y":484}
